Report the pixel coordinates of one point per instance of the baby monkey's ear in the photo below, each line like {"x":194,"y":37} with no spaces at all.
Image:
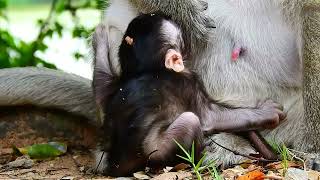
{"x":174,"y":61}
{"x":129,"y":40}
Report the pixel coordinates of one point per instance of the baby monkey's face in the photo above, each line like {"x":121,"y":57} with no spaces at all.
{"x":155,"y":42}
{"x":173,"y":58}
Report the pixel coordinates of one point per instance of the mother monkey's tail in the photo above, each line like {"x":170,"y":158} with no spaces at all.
{"x":47,"y":88}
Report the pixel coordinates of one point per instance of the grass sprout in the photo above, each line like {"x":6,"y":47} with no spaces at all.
{"x":284,"y":152}
{"x":198,"y":167}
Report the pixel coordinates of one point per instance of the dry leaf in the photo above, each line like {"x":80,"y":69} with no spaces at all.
{"x":253,"y":175}
{"x":167,"y":169}
{"x":231,"y":173}
{"x":246,"y":164}
{"x":254,"y":167}
{"x":174,"y":175}
{"x":273,"y":176}
{"x":141,"y":175}
{"x":67,"y":178}
{"x":314,"y":175}
{"x":278,"y":165}
{"x":181,"y":166}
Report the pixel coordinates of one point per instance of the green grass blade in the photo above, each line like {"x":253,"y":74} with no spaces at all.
{"x":192,"y":152}
{"x":201,"y":161}
{"x":184,"y":151}
{"x":184,"y":158}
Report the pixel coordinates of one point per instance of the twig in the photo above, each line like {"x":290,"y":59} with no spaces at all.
{"x":96,"y":170}
{"x":300,"y":159}
{"x":298,"y":152}
{"x":56,"y":169}
{"x":244,"y":155}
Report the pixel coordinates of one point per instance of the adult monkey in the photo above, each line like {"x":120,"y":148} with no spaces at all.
{"x":267,"y":67}
{"x":252,"y":54}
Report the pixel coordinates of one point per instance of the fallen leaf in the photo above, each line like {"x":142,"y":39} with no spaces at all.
{"x":67,"y":178}
{"x":253,"y":175}
{"x":174,"y":175}
{"x":314,"y":175}
{"x":181,"y":166}
{"x":254,"y":167}
{"x":278,"y":165}
{"x":141,"y":175}
{"x":246,"y":164}
{"x":232,"y":173}
{"x":42,"y":151}
{"x":273,"y":176}
{"x":167,"y":169}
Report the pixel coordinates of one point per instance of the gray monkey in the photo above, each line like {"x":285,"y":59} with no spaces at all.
{"x":262,"y":36}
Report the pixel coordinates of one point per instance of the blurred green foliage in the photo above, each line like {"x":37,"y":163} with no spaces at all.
{"x":15,"y":52}
{"x":24,"y":2}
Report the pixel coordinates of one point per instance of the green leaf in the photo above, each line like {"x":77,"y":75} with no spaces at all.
{"x":43,"y":151}
{"x":43,"y":63}
{"x":61,"y":5}
{"x":3,"y":4}
{"x":42,"y":47}
{"x":78,"y":55}
{"x":58,"y":28}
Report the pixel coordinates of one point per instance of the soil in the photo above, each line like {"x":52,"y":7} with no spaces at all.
{"x":26,"y":126}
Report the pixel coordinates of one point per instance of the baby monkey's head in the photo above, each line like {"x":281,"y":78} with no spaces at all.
{"x":152,"y":42}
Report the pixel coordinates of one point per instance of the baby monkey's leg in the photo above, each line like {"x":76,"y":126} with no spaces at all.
{"x":266,"y":115}
{"x":185,"y":129}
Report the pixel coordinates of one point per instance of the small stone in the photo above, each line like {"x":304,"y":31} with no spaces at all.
{"x":82,"y":168}
{"x":296,"y":174}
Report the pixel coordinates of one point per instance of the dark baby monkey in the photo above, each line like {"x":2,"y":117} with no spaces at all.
{"x":155,"y":99}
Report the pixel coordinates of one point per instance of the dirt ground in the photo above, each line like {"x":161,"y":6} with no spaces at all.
{"x":26,"y":126}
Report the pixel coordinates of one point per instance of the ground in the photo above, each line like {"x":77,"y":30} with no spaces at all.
{"x":26,"y":126}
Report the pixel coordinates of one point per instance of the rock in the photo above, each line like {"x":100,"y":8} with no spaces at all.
{"x":296,"y":174}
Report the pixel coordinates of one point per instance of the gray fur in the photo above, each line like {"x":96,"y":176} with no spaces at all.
{"x":193,"y":17}
{"x":47,"y":88}
{"x":270,"y":67}
{"x":311,"y":56}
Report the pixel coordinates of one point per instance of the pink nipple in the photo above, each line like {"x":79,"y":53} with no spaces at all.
{"x":235,"y":53}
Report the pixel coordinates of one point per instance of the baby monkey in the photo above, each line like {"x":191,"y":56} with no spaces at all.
{"x":156,"y":99}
